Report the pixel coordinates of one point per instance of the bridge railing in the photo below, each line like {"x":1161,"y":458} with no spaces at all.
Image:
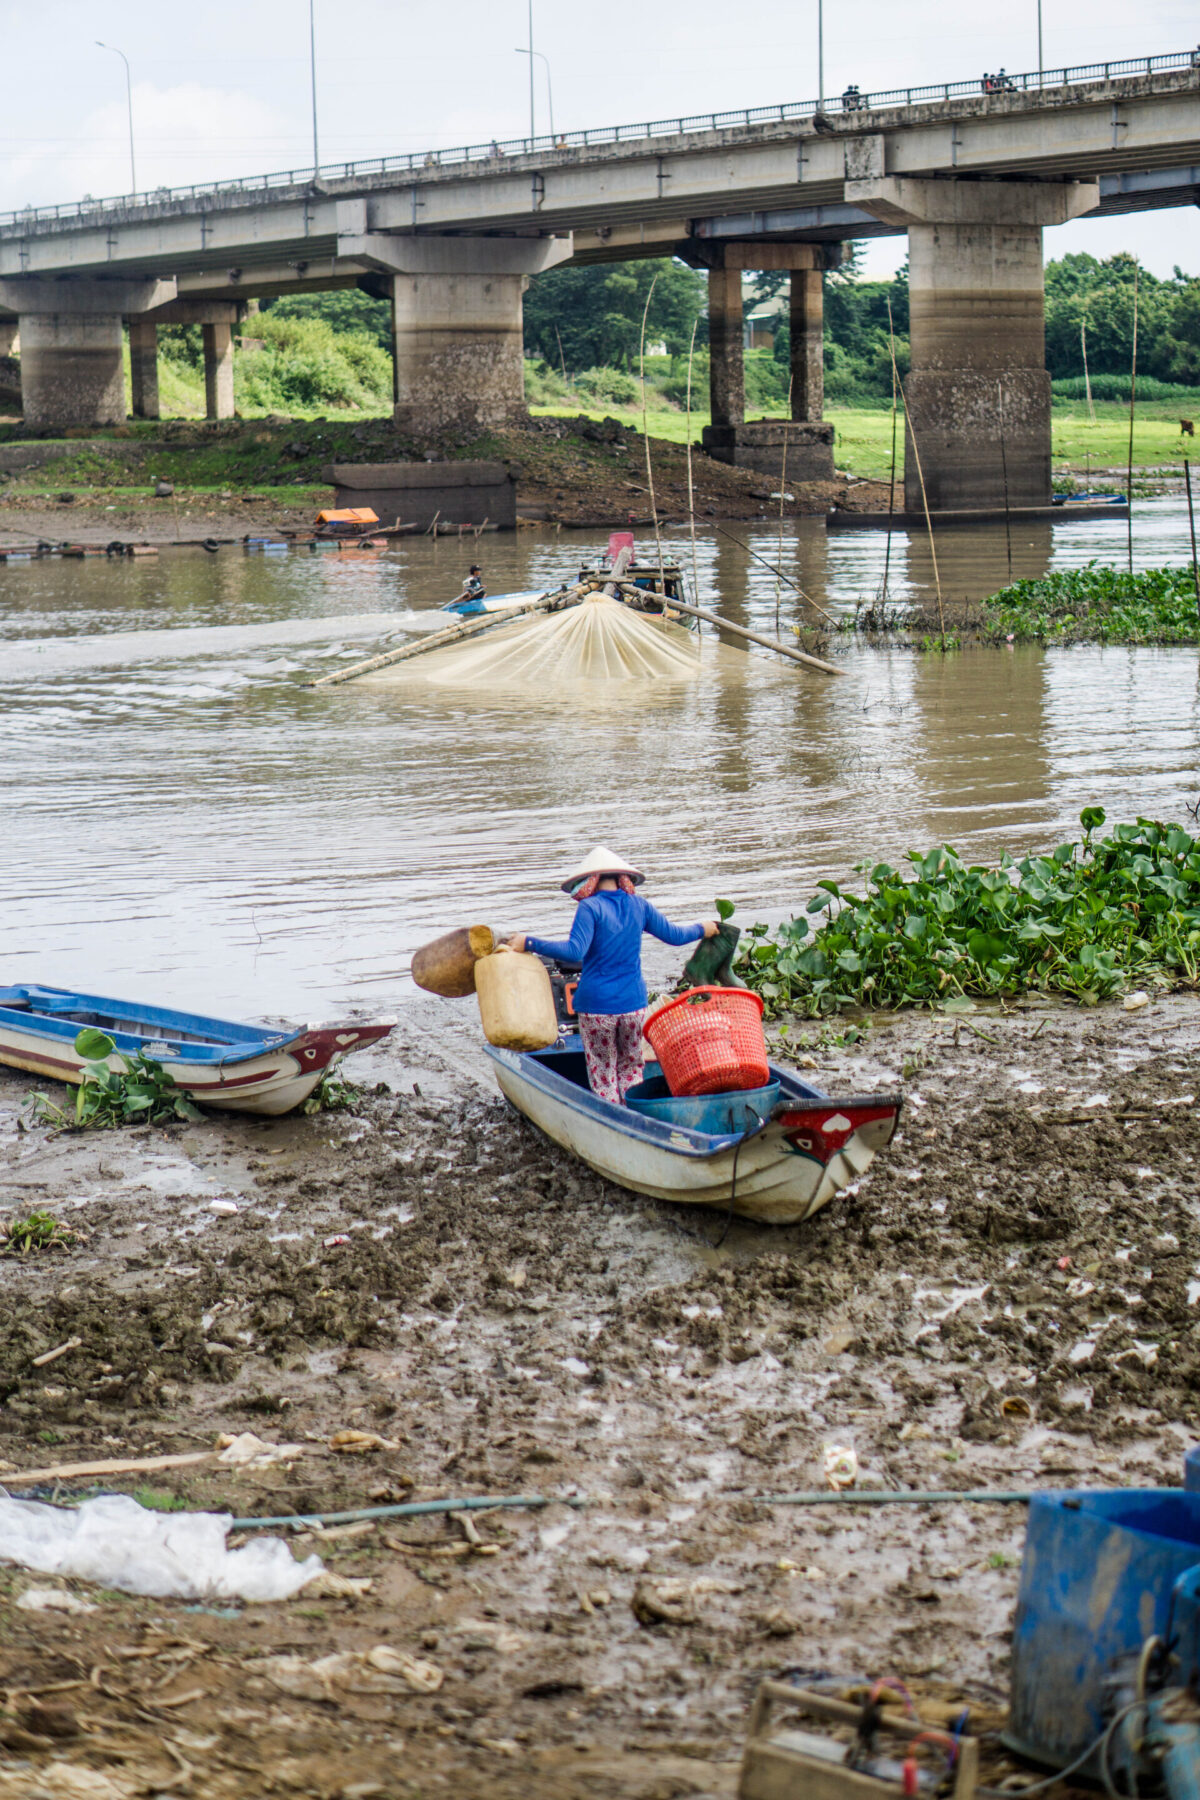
{"x":418,"y":161}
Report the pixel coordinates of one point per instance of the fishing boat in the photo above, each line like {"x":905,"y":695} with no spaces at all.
{"x":658,"y":583}
{"x":217,"y":1062}
{"x":780,"y":1168}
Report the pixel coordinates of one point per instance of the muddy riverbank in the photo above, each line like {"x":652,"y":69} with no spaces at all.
{"x":238,"y":477}
{"x":432,"y":1271}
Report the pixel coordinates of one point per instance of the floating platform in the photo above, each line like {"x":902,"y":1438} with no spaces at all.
{"x":839,"y":519}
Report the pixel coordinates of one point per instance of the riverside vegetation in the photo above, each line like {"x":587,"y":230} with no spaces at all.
{"x":1092,"y":916}
{"x":1099,"y":605}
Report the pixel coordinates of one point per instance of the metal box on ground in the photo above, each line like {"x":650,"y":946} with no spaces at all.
{"x":784,"y":1762}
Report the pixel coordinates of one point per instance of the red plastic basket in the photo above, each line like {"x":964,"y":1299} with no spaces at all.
{"x":710,"y":1041}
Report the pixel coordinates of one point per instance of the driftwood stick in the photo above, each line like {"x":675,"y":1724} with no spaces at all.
{"x":752,"y":637}
{"x":135,"y":1465}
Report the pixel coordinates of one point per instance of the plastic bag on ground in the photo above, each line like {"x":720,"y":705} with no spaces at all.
{"x":118,"y":1544}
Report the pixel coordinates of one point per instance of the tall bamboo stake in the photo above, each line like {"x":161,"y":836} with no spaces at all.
{"x":1004,"y":466}
{"x":775,"y":570}
{"x":782,"y":487}
{"x":646,"y":439}
{"x":937,"y":580}
{"x":1187,"y":482}
{"x":887,"y":555}
{"x":1132,"y":398}
{"x":691,"y":495}
{"x":1087,"y":380}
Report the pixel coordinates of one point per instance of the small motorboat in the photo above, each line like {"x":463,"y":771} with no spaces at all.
{"x":657,"y":584}
{"x":217,"y":1062}
{"x":780,"y":1168}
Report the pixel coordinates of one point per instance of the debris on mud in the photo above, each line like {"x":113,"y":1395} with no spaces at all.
{"x":1010,"y":1298}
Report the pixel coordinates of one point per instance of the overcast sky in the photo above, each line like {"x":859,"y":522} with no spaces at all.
{"x":221,"y":87}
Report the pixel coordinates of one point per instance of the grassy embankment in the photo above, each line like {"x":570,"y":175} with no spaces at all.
{"x":1091,"y":918}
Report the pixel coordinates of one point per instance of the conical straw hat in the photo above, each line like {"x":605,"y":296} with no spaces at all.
{"x":603,"y":862}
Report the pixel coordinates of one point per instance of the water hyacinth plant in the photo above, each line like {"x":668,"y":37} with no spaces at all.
{"x":140,"y":1092}
{"x":1088,"y":918}
{"x":1099,"y":605}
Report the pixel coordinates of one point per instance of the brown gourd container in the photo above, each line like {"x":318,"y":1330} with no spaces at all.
{"x":447,"y":965}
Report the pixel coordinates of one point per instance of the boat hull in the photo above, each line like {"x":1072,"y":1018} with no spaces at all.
{"x":264,"y":1074}
{"x":812,"y":1148}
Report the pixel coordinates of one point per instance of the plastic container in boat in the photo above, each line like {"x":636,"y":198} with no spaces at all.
{"x":1096,"y":1582}
{"x":710,"y":1041}
{"x":516,"y":1001}
{"x":719,"y":1114}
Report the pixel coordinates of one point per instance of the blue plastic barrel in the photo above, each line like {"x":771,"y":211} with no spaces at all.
{"x":1191,"y":1471}
{"x":721,"y":1115}
{"x":1096,"y":1582}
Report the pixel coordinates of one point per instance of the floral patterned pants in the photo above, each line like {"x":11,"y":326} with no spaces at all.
{"x":612,"y":1044}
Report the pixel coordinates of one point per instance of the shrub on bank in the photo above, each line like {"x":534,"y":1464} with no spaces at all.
{"x":1084,"y":921}
{"x":304,"y":363}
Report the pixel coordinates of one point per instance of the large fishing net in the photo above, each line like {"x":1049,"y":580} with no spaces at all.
{"x":599,"y":640}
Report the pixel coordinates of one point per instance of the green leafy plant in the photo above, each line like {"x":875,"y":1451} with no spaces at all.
{"x":1083,"y":921}
{"x":1099,"y":605}
{"x":36,"y":1232}
{"x":725,"y":909}
{"x":139,"y":1092}
{"x":333,"y":1093}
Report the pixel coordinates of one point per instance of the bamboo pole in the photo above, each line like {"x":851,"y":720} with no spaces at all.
{"x":1132,"y":400}
{"x":1004,"y":466}
{"x":662,"y":579}
{"x":775,"y":571}
{"x":1187,"y":482}
{"x":752,"y":637}
{"x":691,"y":493}
{"x":454,"y":634}
{"x":782,"y":487}
{"x":937,"y":580}
{"x":887,"y":554}
{"x":1087,"y":380}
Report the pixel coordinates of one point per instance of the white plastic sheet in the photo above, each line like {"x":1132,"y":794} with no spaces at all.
{"x":118,"y":1544}
{"x":600,"y":640}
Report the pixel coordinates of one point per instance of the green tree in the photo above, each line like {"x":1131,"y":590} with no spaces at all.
{"x":346,"y":310}
{"x":595,"y":312}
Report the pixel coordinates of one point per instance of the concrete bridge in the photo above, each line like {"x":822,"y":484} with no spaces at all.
{"x":450,"y":237}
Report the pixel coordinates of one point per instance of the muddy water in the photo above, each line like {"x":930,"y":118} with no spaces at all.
{"x":184,"y":818}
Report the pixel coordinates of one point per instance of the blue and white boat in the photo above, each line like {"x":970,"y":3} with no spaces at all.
{"x":789,"y":1157}
{"x":217,"y":1062}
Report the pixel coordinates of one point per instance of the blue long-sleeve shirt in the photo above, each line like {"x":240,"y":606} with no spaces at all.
{"x":607,"y":939}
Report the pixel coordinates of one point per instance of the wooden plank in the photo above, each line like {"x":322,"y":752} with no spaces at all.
{"x":135,"y":1465}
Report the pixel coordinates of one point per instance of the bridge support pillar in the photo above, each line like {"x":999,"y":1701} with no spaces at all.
{"x":801,"y":450}
{"x":218,"y":370}
{"x":726,"y":367}
{"x":143,"y":368}
{"x":977,"y":398}
{"x":72,"y":369}
{"x":459,"y":355}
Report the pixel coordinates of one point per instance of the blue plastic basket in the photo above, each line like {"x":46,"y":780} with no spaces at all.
{"x":721,"y":1115}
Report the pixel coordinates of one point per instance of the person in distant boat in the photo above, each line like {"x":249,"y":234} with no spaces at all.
{"x":606,"y":938}
{"x":473,"y":588}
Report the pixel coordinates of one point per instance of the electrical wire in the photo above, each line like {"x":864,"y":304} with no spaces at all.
{"x":1099,"y":1744}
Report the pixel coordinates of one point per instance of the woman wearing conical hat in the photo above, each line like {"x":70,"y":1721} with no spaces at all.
{"x":611,"y":918}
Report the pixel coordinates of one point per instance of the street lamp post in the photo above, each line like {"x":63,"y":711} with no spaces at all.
{"x":821,"y":55}
{"x":532,"y":132}
{"x":129,"y":98}
{"x":312,"y":57}
{"x":542,"y":57}
{"x":1039,"y":13}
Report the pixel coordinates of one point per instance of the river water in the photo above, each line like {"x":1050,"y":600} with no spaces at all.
{"x":185,"y":821}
